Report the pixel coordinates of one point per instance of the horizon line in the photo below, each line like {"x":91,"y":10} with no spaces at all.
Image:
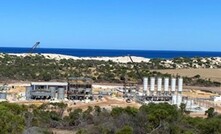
{"x":119,"y":49}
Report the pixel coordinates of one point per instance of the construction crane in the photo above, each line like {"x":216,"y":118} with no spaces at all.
{"x":34,"y":47}
{"x":130,"y":85}
{"x":138,"y":73}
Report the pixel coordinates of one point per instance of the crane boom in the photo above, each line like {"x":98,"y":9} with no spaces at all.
{"x":138,"y":73}
{"x":34,"y":47}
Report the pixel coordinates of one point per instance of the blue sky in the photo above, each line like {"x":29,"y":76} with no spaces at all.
{"x":112,"y":24}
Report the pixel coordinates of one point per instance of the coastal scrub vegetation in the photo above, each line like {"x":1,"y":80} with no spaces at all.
{"x":151,"y":118}
{"x":41,"y":68}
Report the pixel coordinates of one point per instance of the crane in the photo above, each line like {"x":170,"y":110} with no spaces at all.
{"x":128,"y":85}
{"x":138,"y":73}
{"x":34,"y":47}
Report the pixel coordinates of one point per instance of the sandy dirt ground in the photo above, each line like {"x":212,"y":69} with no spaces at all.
{"x":193,"y":93}
{"x":212,"y":74}
{"x":198,"y":115}
{"x":106,"y":102}
{"x":214,"y":90}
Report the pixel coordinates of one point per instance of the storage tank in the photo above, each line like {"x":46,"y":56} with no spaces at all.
{"x":180,"y":84}
{"x":145,"y":84}
{"x":53,"y":91}
{"x":152,"y":84}
{"x":166,"y":84}
{"x":173,"y":84}
{"x":61,"y":93}
{"x":28,"y":93}
{"x":159,"y":84}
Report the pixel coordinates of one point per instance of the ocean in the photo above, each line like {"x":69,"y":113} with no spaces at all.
{"x":113,"y":53}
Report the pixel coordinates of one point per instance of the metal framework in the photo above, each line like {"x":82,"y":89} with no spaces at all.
{"x":34,"y":47}
{"x":79,"y":88}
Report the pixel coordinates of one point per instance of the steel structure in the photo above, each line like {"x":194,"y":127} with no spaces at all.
{"x":138,"y":73}
{"x":79,"y":88}
{"x":34,"y":47}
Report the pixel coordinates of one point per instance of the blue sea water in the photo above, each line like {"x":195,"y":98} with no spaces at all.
{"x":113,"y":53}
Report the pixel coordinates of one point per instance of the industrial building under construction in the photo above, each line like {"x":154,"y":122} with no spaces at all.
{"x":46,"y":90}
{"x":79,"y":88}
{"x":74,"y":89}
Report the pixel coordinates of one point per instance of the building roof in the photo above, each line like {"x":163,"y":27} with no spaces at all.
{"x":49,"y":83}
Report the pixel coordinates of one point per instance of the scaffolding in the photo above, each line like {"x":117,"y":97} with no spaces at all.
{"x":79,"y":88}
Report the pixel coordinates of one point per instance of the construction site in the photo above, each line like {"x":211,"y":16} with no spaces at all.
{"x":81,"y":92}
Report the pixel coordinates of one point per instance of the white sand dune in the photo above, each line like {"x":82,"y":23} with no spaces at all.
{"x":120,"y":59}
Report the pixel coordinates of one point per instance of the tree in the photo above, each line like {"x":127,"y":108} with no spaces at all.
{"x":97,"y":110}
{"x":11,"y":118}
{"x":125,"y":130}
{"x":210,"y":126}
{"x":182,"y":108}
{"x":82,"y":131}
{"x":74,"y":117}
{"x":210,"y":112}
{"x":197,"y":76}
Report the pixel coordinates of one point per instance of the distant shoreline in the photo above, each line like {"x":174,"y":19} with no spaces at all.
{"x":111,"y":49}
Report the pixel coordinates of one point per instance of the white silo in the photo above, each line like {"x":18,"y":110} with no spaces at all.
{"x":159,"y":84}
{"x":166,"y":84}
{"x":174,"y":99}
{"x":180,"y":84}
{"x":179,"y":99}
{"x":145,"y":85}
{"x":152,"y":84}
{"x":173,"y":85}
